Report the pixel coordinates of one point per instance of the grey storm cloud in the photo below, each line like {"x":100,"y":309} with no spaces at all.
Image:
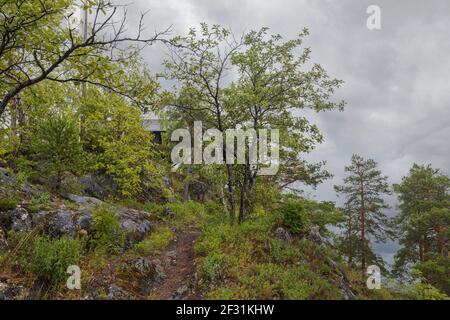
{"x":396,"y":79}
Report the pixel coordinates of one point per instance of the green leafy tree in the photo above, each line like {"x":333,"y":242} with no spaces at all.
{"x":273,"y":83}
{"x":42,"y":40}
{"x":119,"y":144}
{"x":423,"y":224}
{"x":363,"y":188}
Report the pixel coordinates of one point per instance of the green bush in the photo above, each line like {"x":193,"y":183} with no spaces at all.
{"x":8,"y":204}
{"x":282,"y":252}
{"x":212,"y":266}
{"x":39,"y":201}
{"x":56,"y":146}
{"x":156,"y":241}
{"x":295,"y":217}
{"x":47,"y":258}
{"x":107,"y":233}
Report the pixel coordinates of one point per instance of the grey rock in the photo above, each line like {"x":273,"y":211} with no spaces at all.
{"x":314,"y":235}
{"x":135,"y":224}
{"x":83,"y":221}
{"x":82,"y":200}
{"x":61,"y":224}
{"x":98,"y":186}
{"x":167,"y":212}
{"x":29,"y":189}
{"x":181,"y":292}
{"x":6,"y":176}
{"x":117,"y":293}
{"x":21,"y":220}
{"x":282,"y":234}
{"x":147,"y":273}
{"x":11,"y":291}
{"x":39,"y":218}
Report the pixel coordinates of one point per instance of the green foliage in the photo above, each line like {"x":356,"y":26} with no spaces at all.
{"x":245,"y":262}
{"x":107,"y":233}
{"x":281,"y":252}
{"x":48,"y":258}
{"x":39,"y":201}
{"x":8,"y":204}
{"x":423,"y":224}
{"x":273,"y":81}
{"x":294,"y":216}
{"x":121,"y":146}
{"x":436,"y":271}
{"x":364,"y":189}
{"x":425,"y":291}
{"x":181,"y":214}
{"x":56,"y":146}
{"x":158,"y":240}
{"x":212,"y":266}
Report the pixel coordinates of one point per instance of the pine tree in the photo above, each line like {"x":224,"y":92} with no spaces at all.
{"x":423,"y":224}
{"x":363,"y":189}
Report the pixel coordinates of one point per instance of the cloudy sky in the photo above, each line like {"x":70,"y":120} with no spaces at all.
{"x":397,"y":79}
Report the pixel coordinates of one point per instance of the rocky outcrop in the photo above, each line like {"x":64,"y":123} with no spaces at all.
{"x":61,"y":224}
{"x":82,"y":200}
{"x":69,"y":222}
{"x":17,"y":219}
{"x":282,"y":234}
{"x":12,"y":291}
{"x":342,"y":281}
{"x":147,"y":273}
{"x":135,"y":224}
{"x":98,"y":186}
{"x":117,"y":293}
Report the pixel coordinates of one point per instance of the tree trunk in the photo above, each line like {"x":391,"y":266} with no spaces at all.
{"x":243,"y":204}
{"x":231,"y":193}
{"x":363,"y":242}
{"x":363,"y":230}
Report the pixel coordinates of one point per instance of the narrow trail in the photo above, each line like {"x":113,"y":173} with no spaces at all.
{"x":179,"y":282}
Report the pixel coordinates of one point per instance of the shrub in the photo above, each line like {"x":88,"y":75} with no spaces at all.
{"x":282,"y":252}
{"x":424,"y":291}
{"x":212,"y":266}
{"x":295,"y":217}
{"x":39,"y":201}
{"x":107,"y":233}
{"x":48,"y":258}
{"x":8,"y":204}
{"x":155,"y":242}
{"x":186,"y":213}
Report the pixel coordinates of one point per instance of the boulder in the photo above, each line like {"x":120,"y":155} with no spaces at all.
{"x":83,"y":221}
{"x":117,"y":293}
{"x":6,"y":177}
{"x":136,"y":224}
{"x":82,"y":200}
{"x":282,"y":234}
{"x":12,"y":291}
{"x":167,"y":212}
{"x":98,"y":186}
{"x":315,"y":236}
{"x":148,"y":273}
{"x":61,"y":224}
{"x":39,"y":218}
{"x":21,"y":220}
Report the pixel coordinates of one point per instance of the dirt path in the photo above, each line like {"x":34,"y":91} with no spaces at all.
{"x":179,"y":282}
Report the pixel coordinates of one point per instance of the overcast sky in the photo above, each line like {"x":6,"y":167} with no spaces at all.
{"x":397,"y":79}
